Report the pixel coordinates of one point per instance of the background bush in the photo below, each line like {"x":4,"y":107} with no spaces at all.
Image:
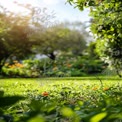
{"x":61,"y":67}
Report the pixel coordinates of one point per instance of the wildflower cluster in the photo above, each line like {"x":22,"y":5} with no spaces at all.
{"x":15,"y":64}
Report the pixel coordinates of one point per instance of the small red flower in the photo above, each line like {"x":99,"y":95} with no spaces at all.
{"x":45,"y":93}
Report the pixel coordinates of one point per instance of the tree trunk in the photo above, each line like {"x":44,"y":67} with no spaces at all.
{"x":1,"y":69}
{"x":52,"y":56}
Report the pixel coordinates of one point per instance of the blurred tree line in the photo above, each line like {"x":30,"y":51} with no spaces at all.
{"x":23,"y":36}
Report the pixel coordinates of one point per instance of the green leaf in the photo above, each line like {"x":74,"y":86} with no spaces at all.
{"x":80,"y":103}
{"x":67,"y":112}
{"x":37,"y":119}
{"x":9,"y":100}
{"x":91,"y":3}
{"x":98,"y":117}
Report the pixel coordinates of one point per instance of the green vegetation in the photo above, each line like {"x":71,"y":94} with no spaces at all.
{"x":65,"y":45}
{"x":68,"y":56}
{"x":106,"y":26}
{"x":25,"y":36}
{"x":61,"y":67}
{"x":82,"y":99}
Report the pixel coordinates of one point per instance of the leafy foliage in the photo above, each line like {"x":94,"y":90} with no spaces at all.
{"x":59,"y":39}
{"x":14,"y":40}
{"x":107,"y":28}
{"x":63,"y":66}
{"x":25,"y":35}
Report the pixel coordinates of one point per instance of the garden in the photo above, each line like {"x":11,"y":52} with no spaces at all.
{"x":61,"y":72}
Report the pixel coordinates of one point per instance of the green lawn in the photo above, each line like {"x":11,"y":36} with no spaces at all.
{"x":21,"y":85}
{"x":71,"y":99}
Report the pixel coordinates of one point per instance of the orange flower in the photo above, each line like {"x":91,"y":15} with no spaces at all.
{"x":19,"y":65}
{"x":95,"y":88}
{"x":11,"y":66}
{"x":69,"y":65}
{"x":106,"y":89}
{"x":45,"y":93}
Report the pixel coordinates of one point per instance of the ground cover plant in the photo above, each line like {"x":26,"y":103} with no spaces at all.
{"x":86,"y":99}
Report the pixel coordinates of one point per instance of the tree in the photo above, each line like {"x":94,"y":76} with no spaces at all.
{"x":13,"y":37}
{"x":15,"y":33}
{"x":58,"y":39}
{"x":107,"y":29}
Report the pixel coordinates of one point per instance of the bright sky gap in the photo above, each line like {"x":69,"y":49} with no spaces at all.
{"x":62,"y":10}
